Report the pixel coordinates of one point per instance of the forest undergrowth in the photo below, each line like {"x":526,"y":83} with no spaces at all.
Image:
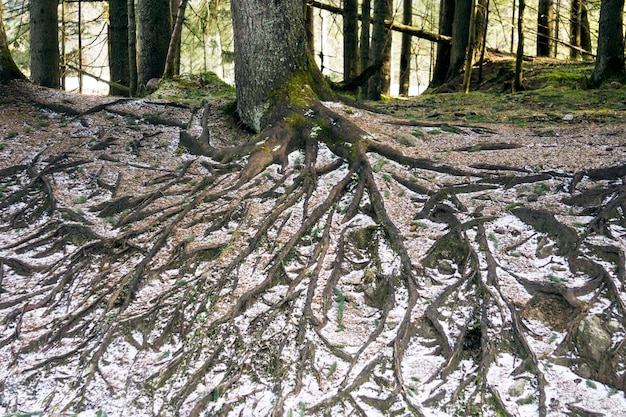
{"x":428,"y":269}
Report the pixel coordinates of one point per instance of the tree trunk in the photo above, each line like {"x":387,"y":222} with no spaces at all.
{"x":172,"y":62}
{"x":575,"y":28}
{"x":119,"y":66}
{"x":446,"y":23}
{"x":405,"y":51}
{"x":385,"y":70}
{"x":460,"y":36}
{"x":132,"y":48}
{"x":153,"y":38}
{"x":270,"y":57}
{"x":517,"y":83}
{"x":364,"y":49}
{"x":545,"y":28}
{"x":8,"y":69}
{"x":585,"y":34}
{"x":44,"y":43}
{"x":308,"y":24}
{"x":350,"y":39}
{"x":377,"y":47}
{"x":610,"y":55}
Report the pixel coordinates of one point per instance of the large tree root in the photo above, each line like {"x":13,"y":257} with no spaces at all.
{"x":313,"y":269}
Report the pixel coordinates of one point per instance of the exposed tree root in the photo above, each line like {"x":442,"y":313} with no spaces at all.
{"x":314,"y":269}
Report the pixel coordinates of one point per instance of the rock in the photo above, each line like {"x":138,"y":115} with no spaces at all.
{"x":407,"y":140}
{"x":152,"y":85}
{"x":568,"y":117}
{"x":545,"y":248}
{"x":517,"y":389}
{"x":445,"y":267}
{"x":592,"y":341}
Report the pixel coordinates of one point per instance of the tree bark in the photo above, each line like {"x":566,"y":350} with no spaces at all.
{"x":545,"y":28}
{"x":44,"y":43}
{"x":610,"y":56}
{"x":8,"y":69}
{"x":132,"y":48}
{"x":119,"y":66}
{"x":575,"y":28}
{"x":460,"y":36}
{"x":154,"y":29}
{"x":270,"y":57}
{"x":385,"y":70}
{"x":446,"y":23}
{"x":517,"y":83}
{"x":365,"y":44}
{"x":350,"y":39}
{"x":405,"y":50}
{"x":172,"y":64}
{"x":377,"y":47}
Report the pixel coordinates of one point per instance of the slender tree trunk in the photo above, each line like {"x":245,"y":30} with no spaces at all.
{"x":575,"y":28}
{"x":308,"y":24}
{"x":350,"y":39}
{"x":364,"y":49}
{"x":173,"y":51}
{"x":545,"y":28}
{"x":517,"y":83}
{"x":385,"y":70}
{"x":469,"y":56}
{"x":119,"y":66}
{"x":610,"y":55}
{"x":446,"y":23}
{"x":8,"y":69}
{"x":405,"y":51}
{"x":460,"y":36}
{"x":44,"y":43}
{"x":153,"y":38}
{"x":174,"y":10}
{"x":585,"y":34}
{"x":377,"y":48}
{"x":132,"y":48}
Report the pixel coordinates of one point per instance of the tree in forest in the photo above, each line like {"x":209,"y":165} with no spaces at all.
{"x":405,"y":50}
{"x":610,"y":53}
{"x":44,"y":43}
{"x":446,"y":24}
{"x":545,"y":28}
{"x":460,"y":36}
{"x":377,"y":47}
{"x":119,"y":66}
{"x":8,"y":69}
{"x":580,"y":33}
{"x":350,"y":39}
{"x":154,"y":29}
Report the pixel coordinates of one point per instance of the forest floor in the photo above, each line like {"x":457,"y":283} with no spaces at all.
{"x":478,"y":269}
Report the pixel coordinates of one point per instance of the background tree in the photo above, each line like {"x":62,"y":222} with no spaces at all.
{"x":377,"y":47}
{"x":405,"y":50}
{"x":44,"y":43}
{"x":545,"y":28}
{"x":610,"y":55}
{"x":364,"y":45}
{"x":8,"y":69}
{"x":154,"y":28}
{"x":460,"y":36}
{"x":350,"y":39}
{"x":446,"y":24}
{"x":119,"y":65}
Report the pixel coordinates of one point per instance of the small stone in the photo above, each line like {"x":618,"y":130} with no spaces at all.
{"x":592,"y":341}
{"x":407,"y":140}
{"x":445,"y":267}
{"x":568,"y":117}
{"x":517,"y":389}
{"x":613,"y":326}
